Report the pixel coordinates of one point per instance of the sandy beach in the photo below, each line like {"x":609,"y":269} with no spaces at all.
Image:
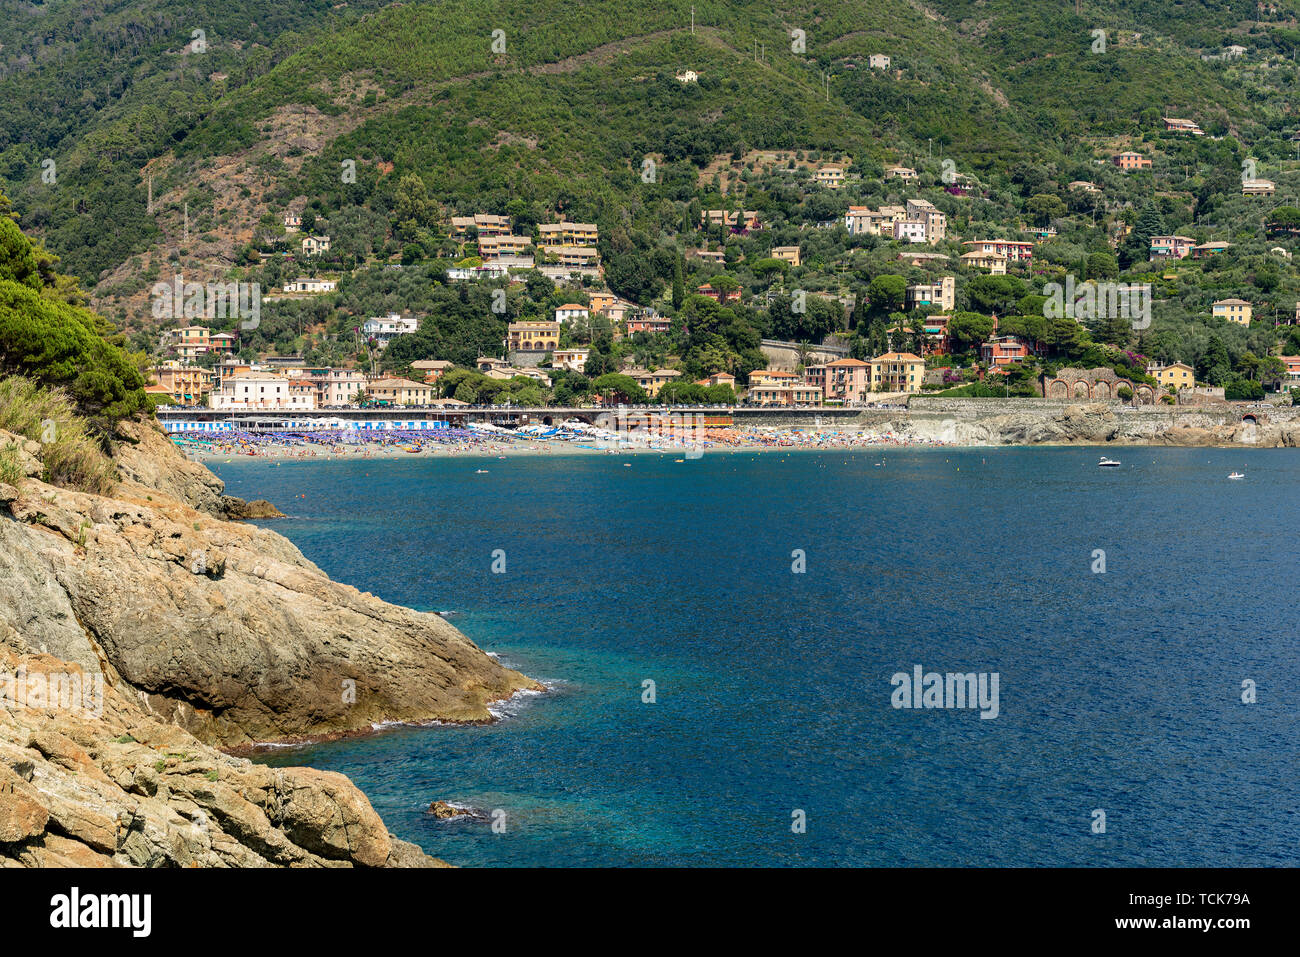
{"x":453,"y":443}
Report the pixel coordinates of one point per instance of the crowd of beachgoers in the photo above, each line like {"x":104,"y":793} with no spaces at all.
{"x":364,"y":443}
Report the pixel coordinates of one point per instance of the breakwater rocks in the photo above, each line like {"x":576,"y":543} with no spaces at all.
{"x":203,"y":633}
{"x":988,"y":422}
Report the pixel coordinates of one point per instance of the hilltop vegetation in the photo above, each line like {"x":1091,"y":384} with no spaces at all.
{"x":380,"y":121}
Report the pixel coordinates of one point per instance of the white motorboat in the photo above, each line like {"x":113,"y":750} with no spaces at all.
{"x":1106,"y":463}
{"x":1237,"y":475}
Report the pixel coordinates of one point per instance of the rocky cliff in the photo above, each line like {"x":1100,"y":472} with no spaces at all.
{"x":204,"y":633}
{"x":1030,"y":422}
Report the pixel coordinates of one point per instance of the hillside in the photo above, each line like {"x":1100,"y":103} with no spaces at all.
{"x":380,"y":122}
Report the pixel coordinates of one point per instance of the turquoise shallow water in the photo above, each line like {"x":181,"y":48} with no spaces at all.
{"x":1118,"y":691}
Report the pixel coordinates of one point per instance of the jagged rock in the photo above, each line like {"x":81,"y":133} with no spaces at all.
{"x":119,"y":787}
{"x":223,"y":627}
{"x":442,"y":810}
{"x":184,"y":630}
{"x":237,"y":510}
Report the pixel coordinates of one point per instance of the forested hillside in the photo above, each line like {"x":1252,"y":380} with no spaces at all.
{"x":380,"y":121}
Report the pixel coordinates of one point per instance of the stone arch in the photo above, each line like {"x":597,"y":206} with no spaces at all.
{"x":1249,"y":419}
{"x":1101,"y":391}
{"x":1081,"y":390}
{"x":1057,"y":389}
{"x":1144,"y":394}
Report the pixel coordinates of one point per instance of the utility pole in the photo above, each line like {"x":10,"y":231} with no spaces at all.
{"x":187,"y":224}
{"x":692,"y":19}
{"x":150,"y":206}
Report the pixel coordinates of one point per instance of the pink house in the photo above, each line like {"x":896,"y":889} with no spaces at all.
{"x":1003,"y":351}
{"x":847,"y":380}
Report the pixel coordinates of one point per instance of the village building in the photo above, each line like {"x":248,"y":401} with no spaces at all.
{"x":924,"y":211}
{"x":832,"y":177}
{"x":719,"y":378}
{"x":652,"y":382}
{"x":1233,"y":310}
{"x":260,"y":390}
{"x":940,"y":294}
{"x":486,"y":224}
{"x":739,"y":221}
{"x":787,"y":254}
{"x":573,"y":312}
{"x":1171,"y":247}
{"x":846,"y":381}
{"x":1176,"y":375}
{"x":575,"y":360}
{"x":1173,"y":125}
{"x":648,"y":321}
{"x":384,"y":329}
{"x":565,"y":233}
{"x":718,"y":295}
{"x":533,"y":336}
{"x":1013,"y":250}
{"x":315,"y":245}
{"x":1129,"y":161}
{"x":188,"y":342}
{"x":1206,"y":250}
{"x":398,"y":392}
{"x":897,"y":372}
{"x":1001,"y":351}
{"x":182,"y":384}
{"x":996,"y":264}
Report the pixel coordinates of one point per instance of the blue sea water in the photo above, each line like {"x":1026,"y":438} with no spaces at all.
{"x":1119,"y":691}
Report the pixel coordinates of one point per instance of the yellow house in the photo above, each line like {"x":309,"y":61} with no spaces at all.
{"x":1177,"y":374}
{"x":1234,"y":310}
{"x":537,"y":336}
{"x":787,"y":254}
{"x":652,"y":382}
{"x":400,"y":392}
{"x":832,"y":177}
{"x":897,"y":372}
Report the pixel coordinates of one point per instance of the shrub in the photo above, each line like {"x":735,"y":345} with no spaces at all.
{"x":70,"y":452}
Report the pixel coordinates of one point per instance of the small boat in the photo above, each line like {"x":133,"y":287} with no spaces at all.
{"x":1237,"y":475}
{"x":1106,"y":463}
{"x":480,"y":471}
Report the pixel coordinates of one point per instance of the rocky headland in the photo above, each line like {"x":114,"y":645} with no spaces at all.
{"x":205,"y":636}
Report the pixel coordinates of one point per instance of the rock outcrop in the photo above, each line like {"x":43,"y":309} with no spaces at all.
{"x":96,"y":782}
{"x":224,"y":628}
{"x":1022,"y":422}
{"x":204,"y":633}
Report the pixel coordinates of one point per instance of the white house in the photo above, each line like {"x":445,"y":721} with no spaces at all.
{"x":384,"y":329}
{"x":878,"y":61}
{"x":261,"y":390}
{"x":311,"y":285}
{"x":570,"y":312}
{"x":690,"y":76}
